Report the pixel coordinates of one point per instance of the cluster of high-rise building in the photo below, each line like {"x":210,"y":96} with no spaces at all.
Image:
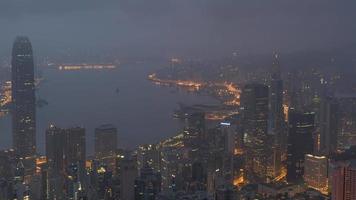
{"x":282,"y":144}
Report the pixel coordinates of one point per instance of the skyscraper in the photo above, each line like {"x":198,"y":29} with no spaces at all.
{"x":316,"y":172}
{"x":328,"y":120}
{"x":300,"y":142}
{"x":55,"y":147}
{"x":342,"y":174}
{"x":75,"y":147}
{"x":128,"y":173}
{"x":344,"y":180}
{"x":347,"y":121}
{"x":276,"y":100}
{"x":254,"y":101}
{"x":276,"y":121}
{"x":106,"y":144}
{"x":23,"y":97}
{"x":65,"y":151}
{"x":55,"y":153}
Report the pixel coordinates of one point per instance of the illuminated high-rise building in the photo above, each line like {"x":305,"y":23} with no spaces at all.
{"x":328,"y":121}
{"x":347,"y":122}
{"x":254,"y":101}
{"x":55,"y":149}
{"x":300,"y":142}
{"x":106,"y":145}
{"x":276,"y":101}
{"x":66,"y":153}
{"x":55,"y":153}
{"x":127,"y":170}
{"x":344,"y":180}
{"x":75,"y":151}
{"x":316,"y":172}
{"x":23,"y":98}
{"x":276,"y":120}
{"x":228,"y":131}
{"x":342,"y":174}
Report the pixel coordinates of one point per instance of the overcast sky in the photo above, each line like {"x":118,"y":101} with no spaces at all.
{"x":178,"y":27}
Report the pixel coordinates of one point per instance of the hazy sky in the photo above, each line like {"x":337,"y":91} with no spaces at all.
{"x":178,"y":27}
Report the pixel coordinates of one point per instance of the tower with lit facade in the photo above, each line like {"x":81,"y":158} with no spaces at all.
{"x":316,"y":172}
{"x":276,"y":120}
{"x":66,"y":153}
{"x":24,"y":101}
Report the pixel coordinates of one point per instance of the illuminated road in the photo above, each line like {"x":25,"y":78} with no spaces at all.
{"x":226,"y":88}
{"x":183,"y":83}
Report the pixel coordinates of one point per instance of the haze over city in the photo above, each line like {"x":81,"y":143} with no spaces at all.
{"x":204,"y":28}
{"x":177,"y":100}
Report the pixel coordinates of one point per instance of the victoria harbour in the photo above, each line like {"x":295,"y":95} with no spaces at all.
{"x":177,"y":100}
{"x":124,"y":97}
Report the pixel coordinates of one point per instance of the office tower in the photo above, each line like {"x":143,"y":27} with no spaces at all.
{"x":45,"y":189}
{"x":127,"y":173}
{"x":229,"y":132}
{"x":55,"y":149}
{"x":276,"y":102}
{"x":254,"y":106}
{"x":328,"y":122}
{"x":56,"y":167}
{"x":106,"y":144}
{"x":239,"y":143}
{"x":24,"y":101}
{"x":75,"y":147}
{"x":300,"y":142}
{"x":147,"y":185}
{"x":316,"y":172}
{"x":344,"y":180}
{"x":347,"y":122}
{"x":75,"y":152}
{"x":342,"y":171}
{"x":276,"y":120}
{"x":66,"y":153}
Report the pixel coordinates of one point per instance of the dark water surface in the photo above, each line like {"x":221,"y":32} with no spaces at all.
{"x":141,"y":111}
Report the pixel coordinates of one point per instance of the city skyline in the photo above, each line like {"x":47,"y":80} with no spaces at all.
{"x":177,"y":100}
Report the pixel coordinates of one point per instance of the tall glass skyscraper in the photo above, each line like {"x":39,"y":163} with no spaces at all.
{"x":300,"y":142}
{"x":23,"y":97}
{"x":254,"y":101}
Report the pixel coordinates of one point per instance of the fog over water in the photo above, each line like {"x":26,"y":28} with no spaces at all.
{"x":142,"y":111}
